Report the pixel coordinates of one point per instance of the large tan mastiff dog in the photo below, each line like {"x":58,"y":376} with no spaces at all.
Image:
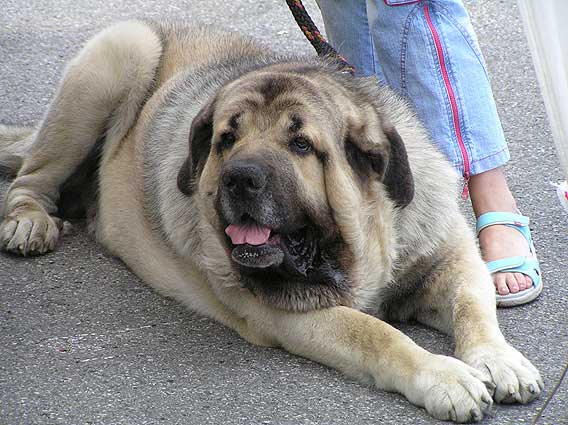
{"x":295,"y":204}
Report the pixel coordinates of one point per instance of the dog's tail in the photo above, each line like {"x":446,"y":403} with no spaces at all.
{"x":15,"y":142}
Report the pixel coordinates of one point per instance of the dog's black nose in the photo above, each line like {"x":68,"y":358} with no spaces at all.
{"x":245,"y":179}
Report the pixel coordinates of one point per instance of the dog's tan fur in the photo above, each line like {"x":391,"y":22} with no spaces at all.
{"x":418,"y":259}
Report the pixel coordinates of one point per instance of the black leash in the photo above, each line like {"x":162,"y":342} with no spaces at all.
{"x":322,"y":47}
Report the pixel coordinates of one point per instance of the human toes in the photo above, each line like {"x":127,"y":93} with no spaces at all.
{"x":523,"y":281}
{"x":512,"y":283}
{"x":500,"y":283}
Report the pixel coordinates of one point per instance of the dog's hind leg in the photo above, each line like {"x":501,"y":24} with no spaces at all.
{"x":460,"y":300}
{"x":102,"y":92}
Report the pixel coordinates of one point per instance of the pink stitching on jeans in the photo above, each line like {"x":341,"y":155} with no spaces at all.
{"x":450,"y":91}
{"x":402,"y":4}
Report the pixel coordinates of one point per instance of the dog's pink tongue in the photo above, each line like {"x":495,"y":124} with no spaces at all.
{"x":253,"y":234}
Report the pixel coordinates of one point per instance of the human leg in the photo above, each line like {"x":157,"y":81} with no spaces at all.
{"x":490,"y":193}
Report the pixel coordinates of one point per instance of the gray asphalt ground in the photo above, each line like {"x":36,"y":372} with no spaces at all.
{"x":83,"y":341}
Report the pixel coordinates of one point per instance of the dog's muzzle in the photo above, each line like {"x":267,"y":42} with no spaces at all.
{"x":265,"y":230}
{"x":245,"y":181}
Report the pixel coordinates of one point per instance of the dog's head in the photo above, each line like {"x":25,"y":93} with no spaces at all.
{"x":285,"y":161}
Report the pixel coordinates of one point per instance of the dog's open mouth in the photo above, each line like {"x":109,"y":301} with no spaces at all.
{"x":295,"y":266}
{"x":255,"y":246}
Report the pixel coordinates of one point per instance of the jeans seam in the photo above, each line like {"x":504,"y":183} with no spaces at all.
{"x":464,"y":119}
{"x":462,"y":115}
{"x":437,"y":71}
{"x":404,"y":46}
{"x":371,"y":40}
{"x":373,"y":55}
{"x":489,"y":156}
{"x":407,"y":3}
{"x":453,"y":89}
{"x":447,"y":14}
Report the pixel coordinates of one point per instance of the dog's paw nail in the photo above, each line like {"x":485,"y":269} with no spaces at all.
{"x":476,"y":415}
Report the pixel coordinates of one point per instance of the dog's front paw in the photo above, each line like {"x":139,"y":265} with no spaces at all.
{"x":515,"y":378}
{"x":29,"y":232}
{"x":451,"y":390}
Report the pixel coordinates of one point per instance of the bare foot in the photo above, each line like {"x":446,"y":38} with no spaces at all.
{"x":498,"y":242}
{"x":489,"y":192}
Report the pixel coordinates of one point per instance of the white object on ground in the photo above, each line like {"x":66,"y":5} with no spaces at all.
{"x":562,"y":192}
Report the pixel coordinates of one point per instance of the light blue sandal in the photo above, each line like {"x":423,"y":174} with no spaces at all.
{"x":525,"y":265}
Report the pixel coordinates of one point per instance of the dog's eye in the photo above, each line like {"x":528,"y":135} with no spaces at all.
{"x":226,"y":140}
{"x":301,"y":145}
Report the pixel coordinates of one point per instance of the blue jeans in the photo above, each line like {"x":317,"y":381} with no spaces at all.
{"x":427,"y":51}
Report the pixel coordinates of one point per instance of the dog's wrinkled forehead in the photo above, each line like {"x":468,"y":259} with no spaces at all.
{"x":270,"y":93}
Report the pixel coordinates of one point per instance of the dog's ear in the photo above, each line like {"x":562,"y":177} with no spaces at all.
{"x":381,"y":153}
{"x":199,"y":147}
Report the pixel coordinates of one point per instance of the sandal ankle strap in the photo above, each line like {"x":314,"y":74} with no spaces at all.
{"x":493,"y":218}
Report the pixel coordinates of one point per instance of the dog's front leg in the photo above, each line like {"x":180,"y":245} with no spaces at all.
{"x":461,"y":301}
{"x":372,"y":351}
